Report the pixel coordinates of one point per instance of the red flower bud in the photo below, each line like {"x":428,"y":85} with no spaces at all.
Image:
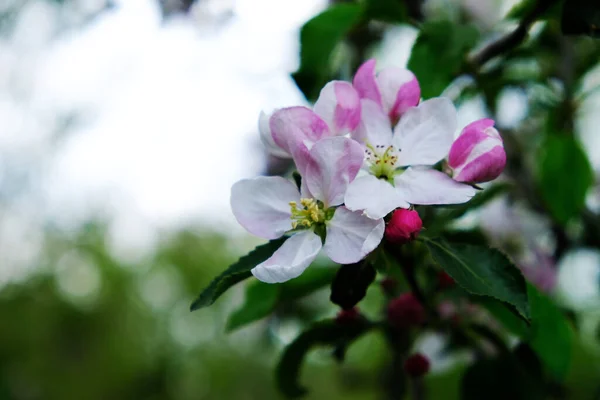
{"x":405,"y":311}
{"x":445,"y":281}
{"x":404,"y":226}
{"x":349,"y":316}
{"x":416,"y":365}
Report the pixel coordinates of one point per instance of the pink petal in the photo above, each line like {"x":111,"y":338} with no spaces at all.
{"x":339,"y":105}
{"x":297,"y":126}
{"x":365,"y":84}
{"x":290,"y":260}
{"x":351,"y":236}
{"x":375,"y":197}
{"x":261,"y":205}
{"x":425,"y":133}
{"x":400,"y":90}
{"x":428,"y":186}
{"x":375,"y":127}
{"x":334,"y":164}
{"x":469,"y":137}
{"x":484,"y":168}
{"x":267,"y":139}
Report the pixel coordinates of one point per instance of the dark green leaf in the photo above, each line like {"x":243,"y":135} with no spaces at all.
{"x":550,"y":334}
{"x":235,"y":273}
{"x":351,"y":283}
{"x":318,"y":38}
{"x":507,"y":317}
{"x":564,"y":176}
{"x":525,"y":7}
{"x":581,"y":17}
{"x":499,"y":378}
{"x":482,"y":271}
{"x":438,"y":54}
{"x":393,"y":11}
{"x":325,"y":333}
{"x":261,"y":300}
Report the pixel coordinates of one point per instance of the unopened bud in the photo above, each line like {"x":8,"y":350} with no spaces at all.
{"x":416,"y":365}
{"x":405,"y":311}
{"x":389,"y":286}
{"x":404,"y":226}
{"x":445,"y":281}
{"x":477,"y":155}
{"x":345,"y":317}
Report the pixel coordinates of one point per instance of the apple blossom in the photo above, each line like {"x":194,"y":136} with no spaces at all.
{"x":291,"y":129}
{"x":271,"y":207}
{"x":396,"y":160}
{"x":403,"y":227}
{"x":394,"y":89}
{"x":478,"y":154}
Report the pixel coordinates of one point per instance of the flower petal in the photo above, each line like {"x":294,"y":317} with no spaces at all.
{"x":375,"y":196}
{"x":375,"y":127}
{"x":339,"y":105}
{"x":425,"y":133}
{"x":428,"y":186}
{"x":400,"y":90}
{"x":290,"y":260}
{"x":266,"y":137}
{"x":365,"y":84}
{"x":484,"y":165}
{"x":333,"y":165}
{"x":352,"y":235}
{"x":469,"y":137}
{"x":297,"y":126}
{"x":261,"y":205}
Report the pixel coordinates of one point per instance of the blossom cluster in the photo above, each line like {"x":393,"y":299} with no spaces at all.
{"x":365,"y":149}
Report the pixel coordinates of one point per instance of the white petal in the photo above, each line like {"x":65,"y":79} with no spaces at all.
{"x":428,"y":186}
{"x":266,"y":137}
{"x":351,"y":236}
{"x":390,"y":80}
{"x":425,"y":133}
{"x":375,"y":127}
{"x":339,"y":105}
{"x":375,"y":196}
{"x":290,"y":260}
{"x":334,"y":164}
{"x":261,"y":205}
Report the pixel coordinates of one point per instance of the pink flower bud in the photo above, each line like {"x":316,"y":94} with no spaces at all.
{"x":405,"y":311}
{"x":345,"y":317}
{"x":478,"y":153}
{"x":404,"y":226}
{"x":416,"y":365}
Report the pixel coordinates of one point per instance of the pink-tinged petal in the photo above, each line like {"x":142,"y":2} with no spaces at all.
{"x":469,"y":137}
{"x":290,"y":260}
{"x":334,"y":164}
{"x":428,"y":186}
{"x":365,"y":83}
{"x":297,"y":126}
{"x":375,"y":127}
{"x":261,"y":205}
{"x":339,"y":105}
{"x":267,"y":139}
{"x":400,"y":90}
{"x":375,"y":197}
{"x":351,"y":236}
{"x":488,"y":166}
{"x":425,"y":133}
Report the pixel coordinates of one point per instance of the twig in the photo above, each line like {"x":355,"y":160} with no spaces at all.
{"x":514,"y":38}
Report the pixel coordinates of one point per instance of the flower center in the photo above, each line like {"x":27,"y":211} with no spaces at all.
{"x":382,"y":160}
{"x":309,"y":213}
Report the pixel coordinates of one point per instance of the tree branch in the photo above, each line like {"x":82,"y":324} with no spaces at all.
{"x":514,"y":38}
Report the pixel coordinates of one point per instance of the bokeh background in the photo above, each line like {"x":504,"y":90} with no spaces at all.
{"x":123,"y":125}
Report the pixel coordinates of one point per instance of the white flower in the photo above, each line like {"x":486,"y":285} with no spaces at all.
{"x":270,"y":207}
{"x":396,"y":161}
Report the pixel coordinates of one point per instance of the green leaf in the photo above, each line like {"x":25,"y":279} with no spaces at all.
{"x":324,"y":333}
{"x":581,"y":17}
{"x":550,"y":334}
{"x":525,"y":7}
{"x":438,"y":54}
{"x":507,"y":317}
{"x":261,"y":300}
{"x":564,"y":176}
{"x":500,"y":378}
{"x":318,"y":38}
{"x":392,"y":11}
{"x":235,"y":273}
{"x":482,"y":271}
